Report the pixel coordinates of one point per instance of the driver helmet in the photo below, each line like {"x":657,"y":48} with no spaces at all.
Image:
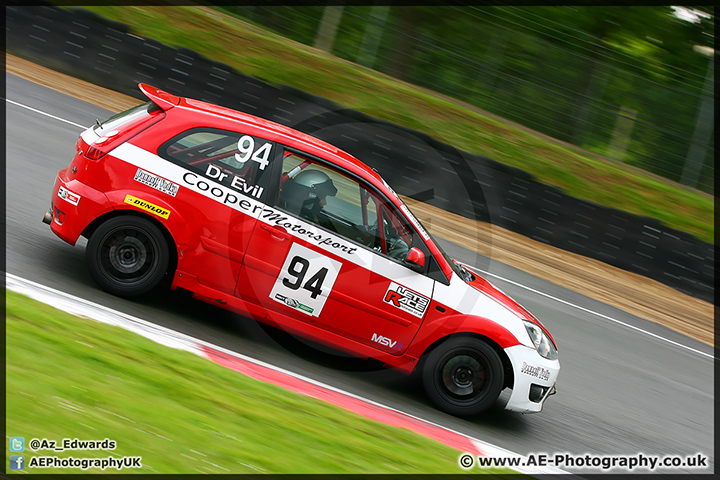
{"x":306,"y":189}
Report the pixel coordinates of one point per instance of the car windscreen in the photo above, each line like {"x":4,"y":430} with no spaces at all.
{"x":426,"y":233}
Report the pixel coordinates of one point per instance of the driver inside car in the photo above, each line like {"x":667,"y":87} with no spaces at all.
{"x":305,"y":195}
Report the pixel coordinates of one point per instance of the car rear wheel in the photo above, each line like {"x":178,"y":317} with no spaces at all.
{"x":127,"y":256}
{"x":463,"y":376}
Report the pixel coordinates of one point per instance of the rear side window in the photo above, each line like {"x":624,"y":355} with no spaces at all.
{"x":236,"y":160}
{"x":131,"y":116}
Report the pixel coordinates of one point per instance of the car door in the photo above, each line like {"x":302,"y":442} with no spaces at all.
{"x":329,"y":252}
{"x":228,"y":172}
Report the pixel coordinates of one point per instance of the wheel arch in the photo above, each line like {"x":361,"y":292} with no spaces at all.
{"x":509,"y":374}
{"x":172,"y":246}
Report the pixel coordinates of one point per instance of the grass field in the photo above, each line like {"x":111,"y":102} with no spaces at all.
{"x":69,"y":377}
{"x":275,"y":59}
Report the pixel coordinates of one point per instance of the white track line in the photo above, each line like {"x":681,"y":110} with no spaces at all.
{"x":171,"y":338}
{"x":565,"y":302}
{"x":83,"y":127}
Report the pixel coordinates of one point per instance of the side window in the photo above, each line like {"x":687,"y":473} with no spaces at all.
{"x":344,"y":206}
{"x":236,"y":160}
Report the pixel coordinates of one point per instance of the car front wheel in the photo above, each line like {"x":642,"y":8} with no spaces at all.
{"x":463,"y":376}
{"x":127,"y":256}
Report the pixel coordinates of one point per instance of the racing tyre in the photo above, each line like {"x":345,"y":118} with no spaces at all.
{"x":463,"y":376}
{"x":127,"y":256}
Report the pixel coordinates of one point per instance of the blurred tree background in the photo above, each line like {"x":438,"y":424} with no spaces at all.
{"x":634,"y":83}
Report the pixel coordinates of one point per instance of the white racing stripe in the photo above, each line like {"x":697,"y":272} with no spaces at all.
{"x":171,"y":338}
{"x":313,"y":234}
{"x":481,"y":272}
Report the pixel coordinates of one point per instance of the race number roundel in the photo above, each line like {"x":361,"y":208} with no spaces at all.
{"x":306,"y":280}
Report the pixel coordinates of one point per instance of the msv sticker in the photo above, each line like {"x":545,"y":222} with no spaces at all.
{"x":156,"y":182}
{"x":387,"y":342}
{"x":406,"y":300}
{"x":306,"y":280}
{"x":69,"y":196}
{"x":147,"y":206}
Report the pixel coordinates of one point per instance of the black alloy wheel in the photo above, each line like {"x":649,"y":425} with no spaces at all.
{"x":127,"y":256}
{"x":463,"y":376}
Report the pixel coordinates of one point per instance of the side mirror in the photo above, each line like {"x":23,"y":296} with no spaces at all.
{"x":415,"y":259}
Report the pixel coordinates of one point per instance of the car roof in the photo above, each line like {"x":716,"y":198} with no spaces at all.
{"x":286,"y":135}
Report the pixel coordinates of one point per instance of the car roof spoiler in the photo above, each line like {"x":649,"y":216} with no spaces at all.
{"x":163,"y":99}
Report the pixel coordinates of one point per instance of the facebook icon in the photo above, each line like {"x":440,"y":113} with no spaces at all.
{"x":17,"y":462}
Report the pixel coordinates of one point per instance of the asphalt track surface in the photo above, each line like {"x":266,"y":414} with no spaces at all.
{"x":624,"y":388}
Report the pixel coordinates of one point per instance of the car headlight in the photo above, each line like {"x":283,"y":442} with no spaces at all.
{"x":542,"y":343}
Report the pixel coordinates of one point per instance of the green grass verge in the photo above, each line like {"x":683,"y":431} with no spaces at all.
{"x":69,"y":377}
{"x":262,"y":54}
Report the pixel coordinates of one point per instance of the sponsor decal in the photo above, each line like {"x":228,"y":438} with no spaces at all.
{"x":292,"y":303}
{"x":415,"y":222}
{"x":237,"y":182}
{"x":537,"y":372}
{"x":406,"y":300}
{"x":306,"y":280}
{"x":407,"y":212}
{"x":292,"y":225}
{"x":68,"y":196}
{"x":156,"y":182}
{"x":147,"y":206}
{"x":219,"y":193}
{"x":386,"y":341}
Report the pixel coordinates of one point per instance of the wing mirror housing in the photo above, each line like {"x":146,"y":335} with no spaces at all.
{"x":415,"y":259}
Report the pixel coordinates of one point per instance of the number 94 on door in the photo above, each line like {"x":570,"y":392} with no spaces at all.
{"x":306,"y":279}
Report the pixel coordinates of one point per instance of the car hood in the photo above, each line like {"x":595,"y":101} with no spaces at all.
{"x":482,"y":285}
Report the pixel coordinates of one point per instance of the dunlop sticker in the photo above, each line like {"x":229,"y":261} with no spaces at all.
{"x":136,"y":202}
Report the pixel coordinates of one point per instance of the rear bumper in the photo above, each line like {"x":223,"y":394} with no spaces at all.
{"x":535,"y":379}
{"x":73,"y":206}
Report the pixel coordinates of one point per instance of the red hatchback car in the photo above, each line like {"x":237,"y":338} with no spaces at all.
{"x":286,"y":229}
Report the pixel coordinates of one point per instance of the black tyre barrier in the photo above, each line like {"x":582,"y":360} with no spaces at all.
{"x":79,"y":43}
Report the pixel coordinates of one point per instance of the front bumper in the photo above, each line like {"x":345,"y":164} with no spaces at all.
{"x":73,"y":206}
{"x":535,"y":379}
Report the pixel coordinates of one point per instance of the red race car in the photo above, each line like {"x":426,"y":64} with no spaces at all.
{"x":286,"y":229}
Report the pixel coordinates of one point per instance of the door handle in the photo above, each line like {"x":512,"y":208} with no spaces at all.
{"x":276,"y":231}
